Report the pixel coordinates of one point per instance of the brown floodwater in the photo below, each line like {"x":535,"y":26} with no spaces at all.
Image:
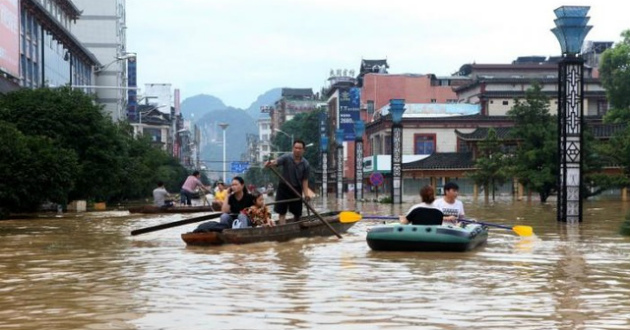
{"x":84,"y":271}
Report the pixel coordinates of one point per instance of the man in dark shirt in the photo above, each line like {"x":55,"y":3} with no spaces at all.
{"x":295,"y":170}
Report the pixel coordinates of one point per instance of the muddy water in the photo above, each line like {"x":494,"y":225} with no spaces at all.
{"x":86,"y":272}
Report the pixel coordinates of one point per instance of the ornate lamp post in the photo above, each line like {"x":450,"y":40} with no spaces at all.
{"x":396,"y":109}
{"x":339,"y":141}
{"x":571,"y":29}
{"x":323,"y":143}
{"x":359,"y":129}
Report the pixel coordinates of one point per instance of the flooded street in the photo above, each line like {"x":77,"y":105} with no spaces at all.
{"x":86,"y":272}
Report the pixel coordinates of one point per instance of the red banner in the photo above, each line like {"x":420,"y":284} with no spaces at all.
{"x":9,"y":37}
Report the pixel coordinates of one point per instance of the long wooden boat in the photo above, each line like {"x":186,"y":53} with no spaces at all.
{"x":426,"y":237}
{"x":152,"y":209}
{"x":307,"y":227}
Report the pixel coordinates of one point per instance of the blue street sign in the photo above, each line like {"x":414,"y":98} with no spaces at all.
{"x":239,"y":167}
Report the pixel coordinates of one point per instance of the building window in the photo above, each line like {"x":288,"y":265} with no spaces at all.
{"x":433,"y":101}
{"x":370,"y":108}
{"x":423,"y":144}
{"x":462,"y":146}
{"x":506,"y":102}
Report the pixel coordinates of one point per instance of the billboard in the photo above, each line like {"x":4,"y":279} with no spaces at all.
{"x":132,"y":93}
{"x":9,"y":37}
{"x":349,"y":106}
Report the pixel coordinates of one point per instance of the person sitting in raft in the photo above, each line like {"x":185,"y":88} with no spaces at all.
{"x":256,"y":215}
{"x":451,"y":207}
{"x":160,"y":196}
{"x":424,"y":213}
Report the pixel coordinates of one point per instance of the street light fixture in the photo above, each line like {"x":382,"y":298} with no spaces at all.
{"x":571,"y":29}
{"x":122,"y":57}
{"x":359,"y":130}
{"x":339,"y":134}
{"x":396,"y":108}
{"x":224,"y":126}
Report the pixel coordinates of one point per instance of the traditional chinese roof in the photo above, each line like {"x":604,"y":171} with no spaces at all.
{"x":297,"y":92}
{"x":481,"y":133}
{"x":443,"y":160}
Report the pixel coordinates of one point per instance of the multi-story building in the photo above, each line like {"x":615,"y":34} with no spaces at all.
{"x":292,"y":102}
{"x":102,"y":31}
{"x":38,"y":47}
{"x":264,"y":135}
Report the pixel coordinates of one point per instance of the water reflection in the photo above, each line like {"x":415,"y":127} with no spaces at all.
{"x":86,"y":272}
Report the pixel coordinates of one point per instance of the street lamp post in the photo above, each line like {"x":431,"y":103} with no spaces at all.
{"x":396,"y":109}
{"x":359,"y":129}
{"x":323,"y":143}
{"x":339,"y":141}
{"x":224,"y":126}
{"x":571,"y":29}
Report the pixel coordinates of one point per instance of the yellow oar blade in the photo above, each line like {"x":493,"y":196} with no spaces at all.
{"x":349,"y":216}
{"x":523,"y":230}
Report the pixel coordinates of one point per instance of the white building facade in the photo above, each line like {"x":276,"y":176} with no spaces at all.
{"x":102,"y":30}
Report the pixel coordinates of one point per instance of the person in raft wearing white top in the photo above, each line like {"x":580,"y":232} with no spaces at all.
{"x":452,"y":208}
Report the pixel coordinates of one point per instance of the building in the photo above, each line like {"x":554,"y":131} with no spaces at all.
{"x":292,"y":102}
{"x":102,"y":30}
{"x":39,"y":48}
{"x":264,"y":135}
{"x":495,"y":86}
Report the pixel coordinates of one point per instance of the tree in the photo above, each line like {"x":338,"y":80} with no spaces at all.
{"x":535,"y":162}
{"x":491,"y":164}
{"x":34,"y":170}
{"x":110,"y":163}
{"x":615,"y":76}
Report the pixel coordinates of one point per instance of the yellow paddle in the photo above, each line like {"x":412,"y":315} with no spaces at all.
{"x":349,"y":216}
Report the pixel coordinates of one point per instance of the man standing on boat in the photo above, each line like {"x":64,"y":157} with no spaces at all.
{"x":189,"y":187}
{"x":452,"y":208}
{"x":295,"y":170}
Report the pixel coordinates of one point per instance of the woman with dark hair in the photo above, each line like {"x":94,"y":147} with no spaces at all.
{"x":424,"y":213}
{"x":238,"y":199}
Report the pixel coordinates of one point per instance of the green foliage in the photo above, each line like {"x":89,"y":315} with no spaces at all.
{"x":491,"y":164}
{"x":257,"y":176}
{"x":535,"y":162}
{"x":71,"y":150}
{"x":34,"y":170}
{"x":615,"y":76}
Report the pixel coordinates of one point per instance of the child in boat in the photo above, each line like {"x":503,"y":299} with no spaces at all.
{"x":256,"y":215}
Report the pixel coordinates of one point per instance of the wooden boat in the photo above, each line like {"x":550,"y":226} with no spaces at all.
{"x":152,"y":209}
{"x":307,"y":227}
{"x":426,"y":237}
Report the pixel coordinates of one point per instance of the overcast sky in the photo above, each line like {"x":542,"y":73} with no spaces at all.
{"x":239,"y":49}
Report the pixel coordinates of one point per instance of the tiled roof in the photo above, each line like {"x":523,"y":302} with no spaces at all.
{"x":444,"y":160}
{"x":482,"y":132}
{"x":292,"y":92}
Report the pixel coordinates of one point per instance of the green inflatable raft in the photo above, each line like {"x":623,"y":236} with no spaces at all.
{"x":426,"y":237}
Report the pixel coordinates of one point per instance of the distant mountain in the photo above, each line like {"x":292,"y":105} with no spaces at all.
{"x":197,"y":106}
{"x":268,"y":98}
{"x":240,"y":124}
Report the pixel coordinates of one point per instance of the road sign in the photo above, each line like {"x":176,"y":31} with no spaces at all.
{"x":376,"y":178}
{"x":239,"y":167}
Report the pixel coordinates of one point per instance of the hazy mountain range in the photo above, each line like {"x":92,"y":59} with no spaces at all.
{"x":207,"y":111}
